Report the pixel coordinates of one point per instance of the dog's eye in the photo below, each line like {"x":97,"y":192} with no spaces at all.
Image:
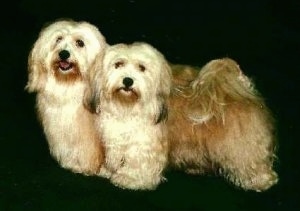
{"x":142,"y":68}
{"x":58,"y":39}
{"x":80,"y":43}
{"x":119,"y":64}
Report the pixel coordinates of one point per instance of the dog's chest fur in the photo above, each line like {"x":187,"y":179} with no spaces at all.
{"x":129,"y":135}
{"x":58,"y":108}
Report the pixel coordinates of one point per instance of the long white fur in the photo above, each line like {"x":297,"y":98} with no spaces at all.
{"x":68,"y":126}
{"x":134,"y":137}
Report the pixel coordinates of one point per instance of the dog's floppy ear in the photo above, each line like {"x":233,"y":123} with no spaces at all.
{"x":163,"y":95}
{"x":36,"y":68}
{"x":163,"y":113}
{"x":165,"y":80}
{"x":91,"y":99}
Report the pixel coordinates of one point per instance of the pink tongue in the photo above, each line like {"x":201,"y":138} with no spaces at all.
{"x":64,"y":64}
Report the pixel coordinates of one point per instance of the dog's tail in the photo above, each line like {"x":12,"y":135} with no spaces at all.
{"x":220,"y":83}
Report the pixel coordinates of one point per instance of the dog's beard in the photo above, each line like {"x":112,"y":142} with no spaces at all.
{"x":114,"y":89}
{"x":125,"y":95}
{"x":66,"y":70}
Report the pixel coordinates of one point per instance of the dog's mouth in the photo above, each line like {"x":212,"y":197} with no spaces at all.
{"x":65,"y":65}
{"x":127,"y":90}
{"x":66,"y":71}
{"x":126,"y":94}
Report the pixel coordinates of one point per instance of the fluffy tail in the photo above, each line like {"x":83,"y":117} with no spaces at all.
{"x":219,"y":83}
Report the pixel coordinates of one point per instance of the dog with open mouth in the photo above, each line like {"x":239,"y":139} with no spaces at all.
{"x":58,"y":67}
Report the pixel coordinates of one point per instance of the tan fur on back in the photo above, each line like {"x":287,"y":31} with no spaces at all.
{"x":220,"y":124}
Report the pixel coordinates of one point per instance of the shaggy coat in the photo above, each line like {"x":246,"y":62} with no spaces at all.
{"x":220,"y":124}
{"x":58,"y":67}
{"x":130,"y":90}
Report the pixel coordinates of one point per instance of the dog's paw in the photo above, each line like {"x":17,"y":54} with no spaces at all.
{"x":261,"y":182}
{"x":126,"y":181}
{"x":104,"y":172}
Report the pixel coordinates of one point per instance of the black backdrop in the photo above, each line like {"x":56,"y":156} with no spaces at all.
{"x":263,"y":36}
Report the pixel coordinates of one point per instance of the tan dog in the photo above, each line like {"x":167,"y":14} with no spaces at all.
{"x":218,"y":123}
{"x":59,"y":64}
{"x":183,"y":75}
{"x":130,"y":93}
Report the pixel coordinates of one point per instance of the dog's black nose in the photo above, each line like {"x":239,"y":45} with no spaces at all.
{"x":127,"y":82}
{"x":64,"y":54}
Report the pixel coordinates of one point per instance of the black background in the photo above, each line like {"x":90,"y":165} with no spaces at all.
{"x":262,"y":36}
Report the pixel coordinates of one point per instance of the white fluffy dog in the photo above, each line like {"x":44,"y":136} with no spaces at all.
{"x":58,"y":64}
{"x":130,"y":93}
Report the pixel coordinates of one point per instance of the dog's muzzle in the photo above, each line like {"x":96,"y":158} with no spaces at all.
{"x":127,"y":91}
{"x":64,"y":64}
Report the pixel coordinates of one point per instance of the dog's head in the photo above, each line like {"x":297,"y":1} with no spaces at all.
{"x":135,"y":73}
{"x":64,"y":50}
